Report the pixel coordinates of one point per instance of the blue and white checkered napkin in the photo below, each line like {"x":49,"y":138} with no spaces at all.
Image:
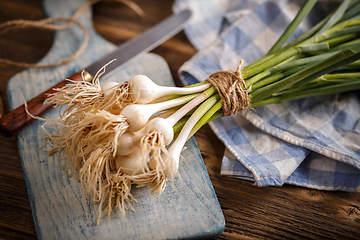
{"x":314,"y":142}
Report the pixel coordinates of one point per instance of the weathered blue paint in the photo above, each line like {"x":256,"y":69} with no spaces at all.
{"x":60,"y":210}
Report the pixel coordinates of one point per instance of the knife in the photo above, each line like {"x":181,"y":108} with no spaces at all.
{"x":126,"y":53}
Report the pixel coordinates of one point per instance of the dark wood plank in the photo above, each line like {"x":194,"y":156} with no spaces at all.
{"x":16,"y":220}
{"x":250,"y":212}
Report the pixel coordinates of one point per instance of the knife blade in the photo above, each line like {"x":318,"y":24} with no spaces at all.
{"x":126,"y":53}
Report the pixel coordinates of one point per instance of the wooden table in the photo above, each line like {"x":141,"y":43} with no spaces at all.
{"x":288,"y":212}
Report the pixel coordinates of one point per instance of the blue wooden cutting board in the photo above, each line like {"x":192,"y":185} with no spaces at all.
{"x":59,"y":208}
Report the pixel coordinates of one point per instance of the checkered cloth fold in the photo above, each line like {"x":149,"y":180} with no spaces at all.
{"x":313,"y":142}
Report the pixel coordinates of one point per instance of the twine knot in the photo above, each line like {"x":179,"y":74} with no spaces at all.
{"x":232,"y":90}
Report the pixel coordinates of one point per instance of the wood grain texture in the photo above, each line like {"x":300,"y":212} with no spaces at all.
{"x":18,"y":118}
{"x":59,"y":208}
{"x":250,"y":212}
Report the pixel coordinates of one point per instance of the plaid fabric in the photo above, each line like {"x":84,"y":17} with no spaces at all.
{"x":314,"y":142}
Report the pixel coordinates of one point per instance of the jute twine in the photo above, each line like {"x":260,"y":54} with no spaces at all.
{"x":53,"y":24}
{"x":232,"y":90}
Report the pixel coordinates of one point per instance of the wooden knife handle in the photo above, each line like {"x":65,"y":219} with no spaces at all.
{"x":15,"y":120}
